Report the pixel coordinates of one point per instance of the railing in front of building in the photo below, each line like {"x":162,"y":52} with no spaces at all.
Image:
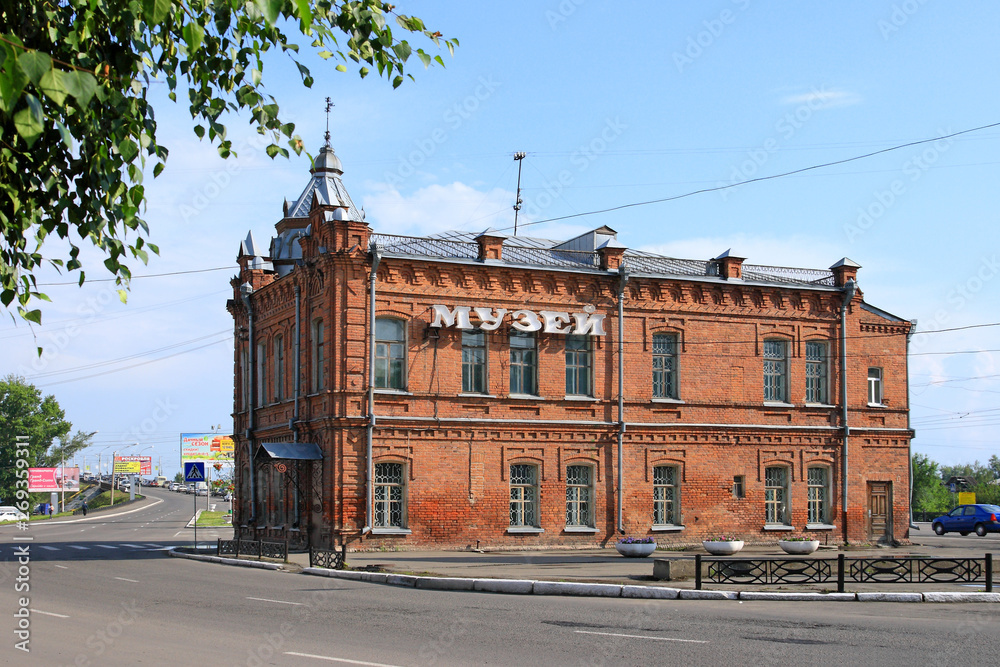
{"x":259,"y":548}
{"x":904,"y":570}
{"x":329,"y":558}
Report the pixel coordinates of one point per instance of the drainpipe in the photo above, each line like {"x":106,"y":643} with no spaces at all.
{"x":298,"y":383}
{"x":909,"y":444}
{"x":246,"y":289}
{"x":369,"y":467}
{"x":850,"y":288}
{"x":622,"y":280}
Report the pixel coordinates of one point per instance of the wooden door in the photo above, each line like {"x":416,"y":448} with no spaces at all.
{"x":880,"y":511}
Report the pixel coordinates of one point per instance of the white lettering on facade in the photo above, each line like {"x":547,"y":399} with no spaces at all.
{"x":549,"y":321}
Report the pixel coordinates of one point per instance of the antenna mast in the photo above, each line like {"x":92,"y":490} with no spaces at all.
{"x":519,"y":156}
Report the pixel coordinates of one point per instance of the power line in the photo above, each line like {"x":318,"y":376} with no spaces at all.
{"x":148,"y":275}
{"x":762,"y":178}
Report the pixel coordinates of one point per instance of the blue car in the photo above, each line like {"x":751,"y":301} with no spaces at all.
{"x":966,"y":519}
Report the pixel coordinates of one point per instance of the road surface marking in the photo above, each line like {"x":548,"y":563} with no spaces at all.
{"x":344,"y":660}
{"x":132,"y":546}
{"x":77,"y":546}
{"x":62,"y":567}
{"x":106,"y":546}
{"x":659,"y":639}
{"x":131,"y":581}
{"x":155,"y":546}
{"x":48,"y":613}
{"x":45,"y":546}
{"x":277,"y":601}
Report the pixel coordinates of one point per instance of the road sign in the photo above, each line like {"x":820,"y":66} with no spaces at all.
{"x":194,"y":471}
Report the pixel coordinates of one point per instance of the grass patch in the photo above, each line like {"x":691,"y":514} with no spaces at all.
{"x":104,"y":499}
{"x":213,"y":519}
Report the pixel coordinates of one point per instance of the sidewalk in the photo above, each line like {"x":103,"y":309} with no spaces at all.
{"x":607,"y":567}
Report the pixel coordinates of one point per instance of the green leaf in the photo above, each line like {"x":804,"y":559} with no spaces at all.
{"x":305,"y":12}
{"x":270,"y":9}
{"x":52,"y":85}
{"x":402,"y":51}
{"x":123,"y":296}
{"x":31,"y":315}
{"x":128,"y":150}
{"x":35,"y":64}
{"x":255,"y":76}
{"x":341,"y":68}
{"x":65,"y":133}
{"x":155,"y":11}
{"x":81,"y":85}
{"x":29,"y":121}
{"x":193,"y":35}
{"x":272,"y":150}
{"x":12,"y":82}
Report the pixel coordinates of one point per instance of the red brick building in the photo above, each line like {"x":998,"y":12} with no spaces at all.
{"x":468,"y":389}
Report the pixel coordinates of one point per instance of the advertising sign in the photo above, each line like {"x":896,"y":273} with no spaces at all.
{"x":145,"y":465}
{"x":966,"y":498}
{"x":206,"y":447}
{"x":53,"y":479}
{"x":126,"y":467}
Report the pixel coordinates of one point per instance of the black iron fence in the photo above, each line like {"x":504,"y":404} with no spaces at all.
{"x":259,"y":548}
{"x":328,"y":558}
{"x":904,"y":570}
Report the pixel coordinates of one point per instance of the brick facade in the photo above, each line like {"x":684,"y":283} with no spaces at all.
{"x":457,"y":446}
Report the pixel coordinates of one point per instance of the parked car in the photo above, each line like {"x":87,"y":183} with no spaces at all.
{"x":966,"y":519}
{"x":174,"y":486}
{"x":11,"y":513}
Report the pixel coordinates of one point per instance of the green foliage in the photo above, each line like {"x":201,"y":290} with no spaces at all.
{"x":77,"y":128}
{"x":65,"y":450}
{"x":179,"y":478}
{"x":24,"y":412}
{"x":929,"y":494}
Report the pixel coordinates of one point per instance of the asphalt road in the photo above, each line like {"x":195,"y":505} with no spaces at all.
{"x":126,"y":603}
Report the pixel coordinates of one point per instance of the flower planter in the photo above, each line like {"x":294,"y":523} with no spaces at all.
{"x":636,"y":549}
{"x":798,"y":547}
{"x":722,"y":548}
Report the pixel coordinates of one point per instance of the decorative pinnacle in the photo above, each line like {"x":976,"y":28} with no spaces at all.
{"x":329,"y":105}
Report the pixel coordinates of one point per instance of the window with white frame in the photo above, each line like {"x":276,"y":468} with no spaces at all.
{"x":390,"y":354}
{"x":816,"y":372}
{"x":318,"y":355}
{"x":875,"y":386}
{"x":776,"y":496}
{"x":776,"y":370}
{"x":579,"y":366}
{"x":244,"y":377}
{"x":665,"y":365}
{"x":579,"y":495}
{"x":524,"y":495}
{"x":474,"y":361}
{"x":390,"y":496}
{"x":666,"y":496}
{"x":279,"y":368}
{"x":818,"y":482}
{"x":523,"y":363}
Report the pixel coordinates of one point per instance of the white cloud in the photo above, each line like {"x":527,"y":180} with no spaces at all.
{"x":794,"y":251}
{"x":821,"y":98}
{"x":437,"y":208}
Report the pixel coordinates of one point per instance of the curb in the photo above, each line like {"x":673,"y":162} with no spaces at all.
{"x":225,"y":561}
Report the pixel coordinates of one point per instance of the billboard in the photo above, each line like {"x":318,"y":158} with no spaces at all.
{"x":53,"y":479}
{"x":134,"y":465}
{"x":206,"y":447}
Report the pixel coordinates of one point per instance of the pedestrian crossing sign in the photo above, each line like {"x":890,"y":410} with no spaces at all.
{"x":194,"y":471}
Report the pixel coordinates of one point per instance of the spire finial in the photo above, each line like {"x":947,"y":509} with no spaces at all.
{"x":329,"y":105}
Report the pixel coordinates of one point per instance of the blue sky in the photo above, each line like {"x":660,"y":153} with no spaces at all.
{"x":613,"y":104}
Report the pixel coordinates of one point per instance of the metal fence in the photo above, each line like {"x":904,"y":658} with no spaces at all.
{"x":259,"y":548}
{"x":328,"y":558}
{"x":905,"y":570}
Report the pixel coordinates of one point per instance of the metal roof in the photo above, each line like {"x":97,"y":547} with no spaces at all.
{"x":326,"y":186}
{"x":297,"y":451}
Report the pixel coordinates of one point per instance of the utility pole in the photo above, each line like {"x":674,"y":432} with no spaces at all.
{"x":519,"y":156}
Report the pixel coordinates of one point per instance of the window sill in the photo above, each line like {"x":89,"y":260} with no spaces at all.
{"x":820,"y":526}
{"x":667,"y":529}
{"x":473,"y":394}
{"x":778,"y":404}
{"x":820,"y":405}
{"x":668,"y":400}
{"x":391,"y":531}
{"x":586,"y":399}
{"x":579,"y":529}
{"x":393,"y":392}
{"x":779,"y":528}
{"x":525,"y":397}
{"x":518,"y":530}
{"x":877,"y":405}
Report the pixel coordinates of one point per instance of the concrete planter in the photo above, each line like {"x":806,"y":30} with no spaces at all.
{"x":722,"y":548}
{"x":636,"y":549}
{"x":798,"y":547}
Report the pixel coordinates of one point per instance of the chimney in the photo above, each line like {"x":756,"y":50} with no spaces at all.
{"x":611,"y":252}
{"x":730,"y":266}
{"x":490,"y":245}
{"x":845,"y":270}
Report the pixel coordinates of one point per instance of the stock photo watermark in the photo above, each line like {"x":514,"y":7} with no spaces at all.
{"x":562,"y":12}
{"x":713,"y":28}
{"x":883,"y":199}
{"x":22,"y":549}
{"x":899,"y":16}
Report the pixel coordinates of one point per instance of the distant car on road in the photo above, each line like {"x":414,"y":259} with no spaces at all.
{"x":11,"y":513}
{"x":966,"y":519}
